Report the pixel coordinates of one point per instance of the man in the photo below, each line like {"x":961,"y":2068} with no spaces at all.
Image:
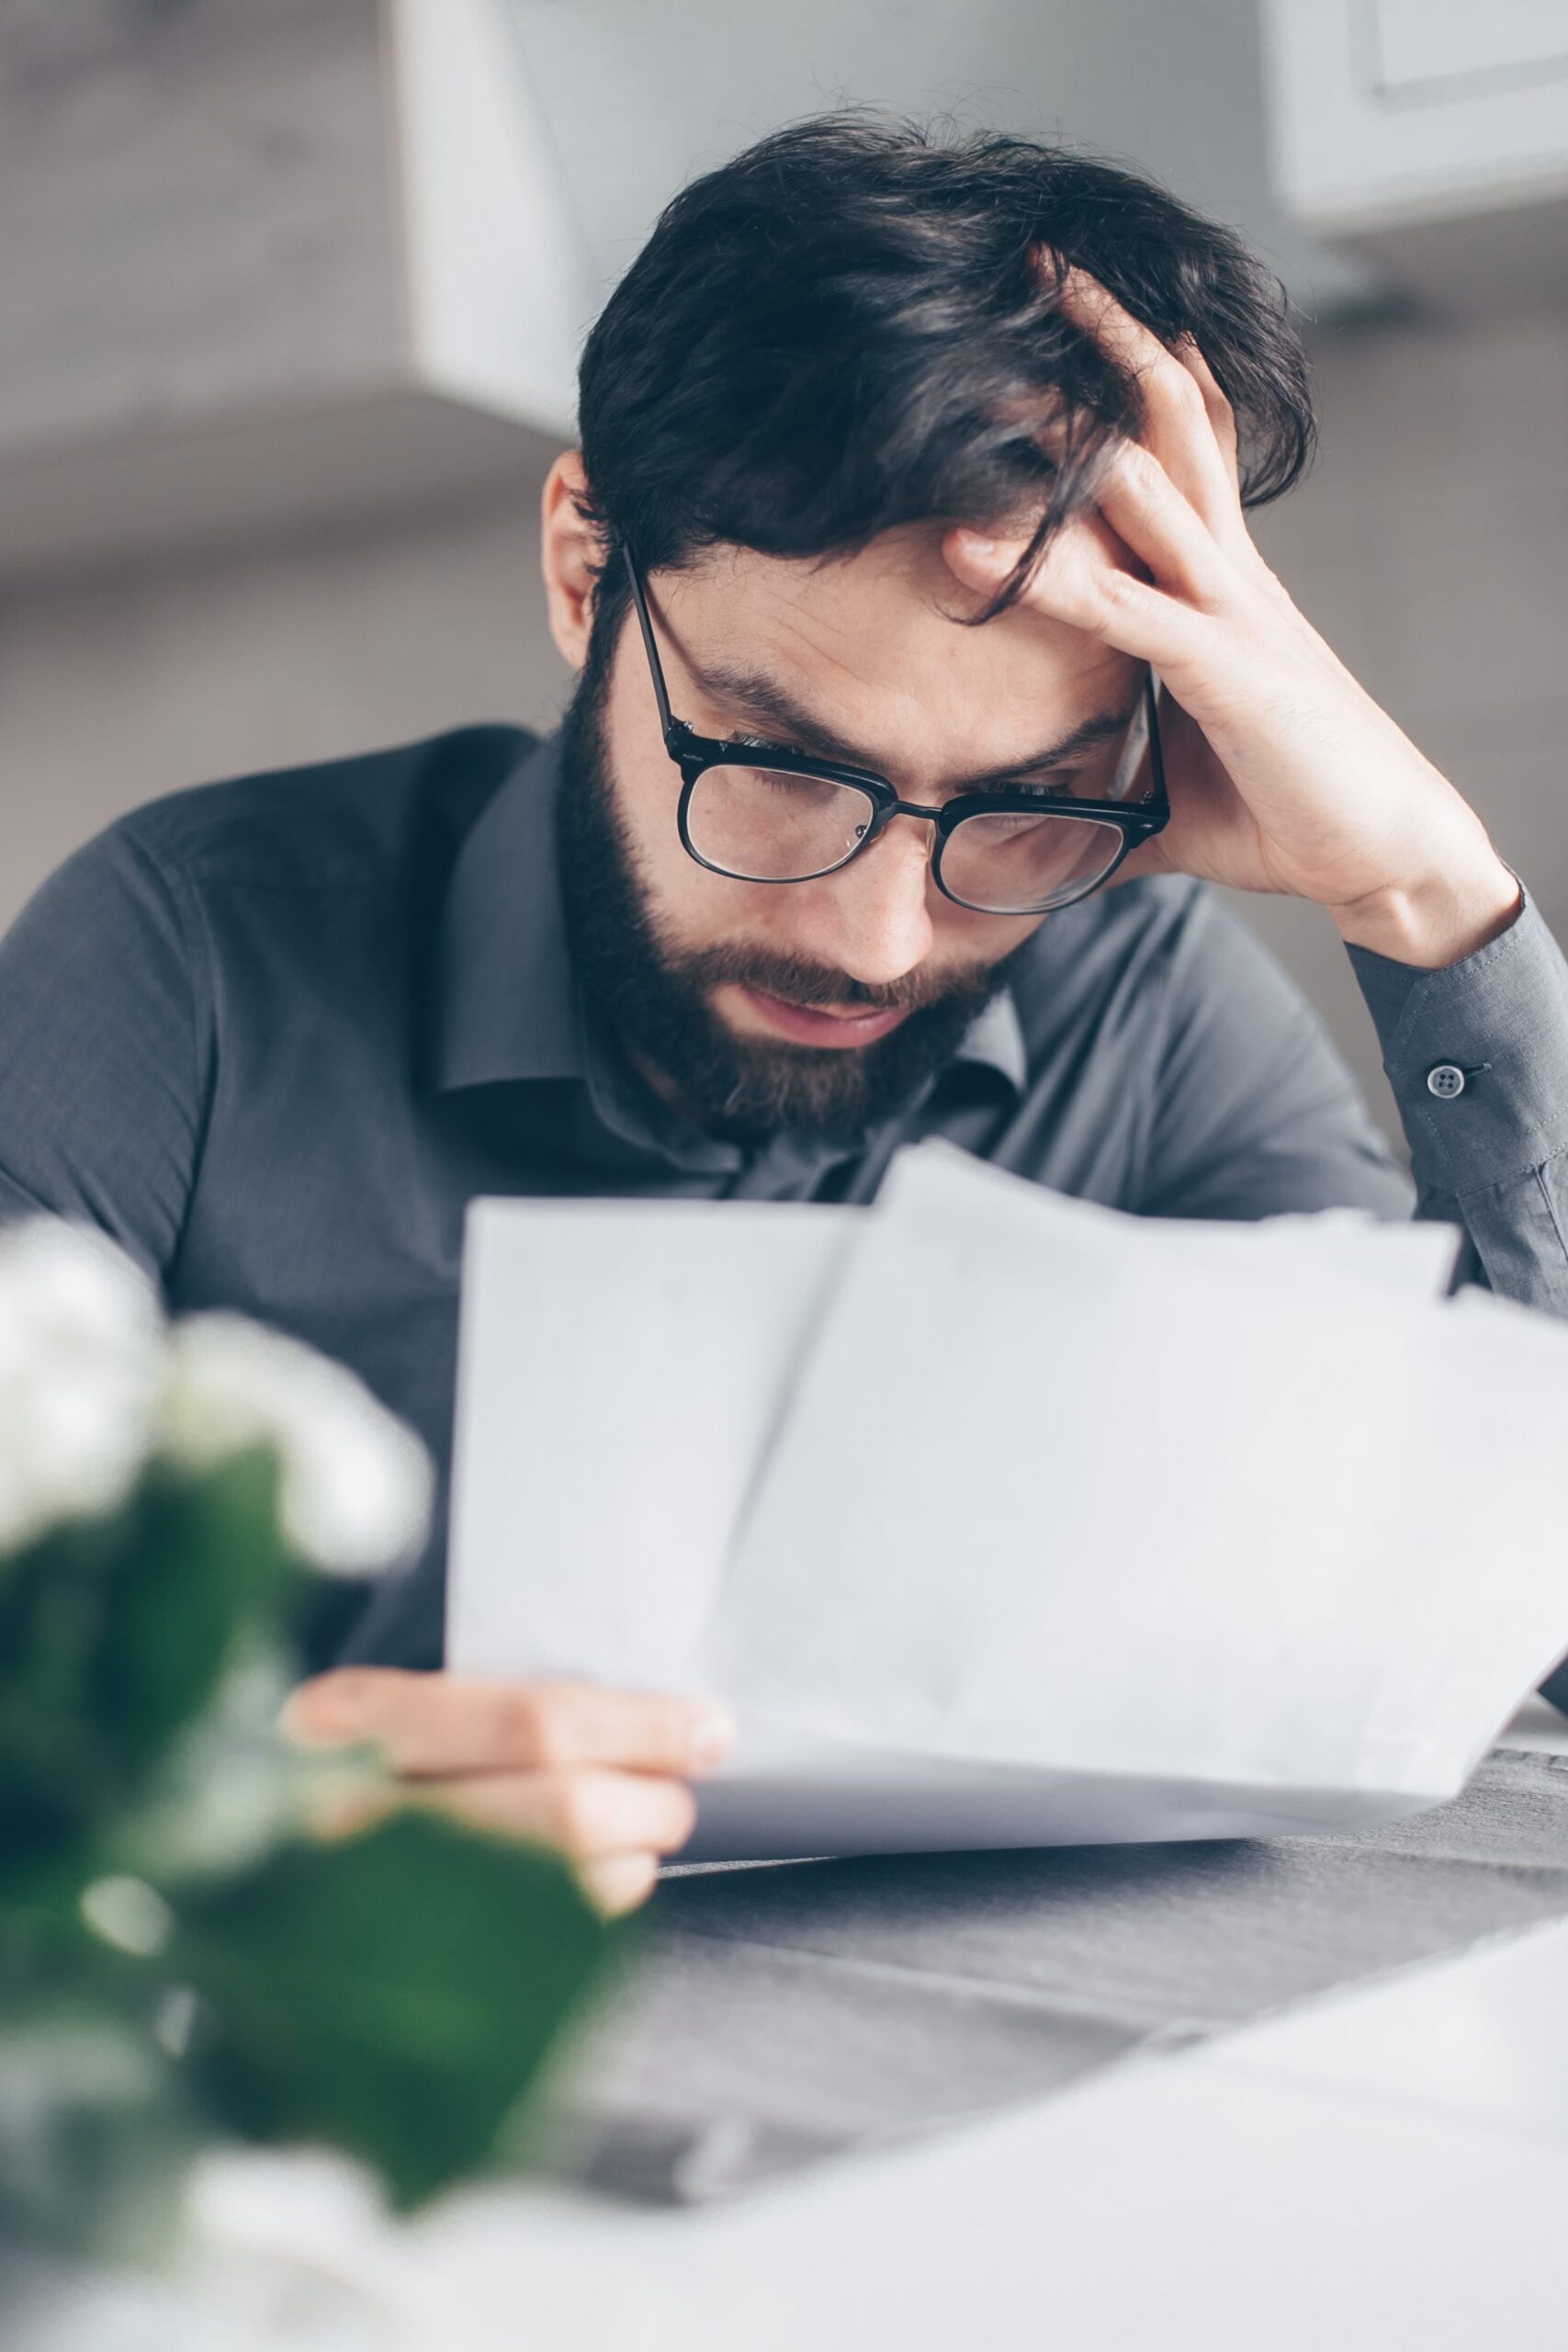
{"x":904,"y":468}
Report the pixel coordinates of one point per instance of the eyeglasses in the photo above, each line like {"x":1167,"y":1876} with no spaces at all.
{"x":763,"y":812}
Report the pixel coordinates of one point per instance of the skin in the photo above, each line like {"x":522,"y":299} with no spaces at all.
{"x":868,"y":645}
{"x":1284,"y":776}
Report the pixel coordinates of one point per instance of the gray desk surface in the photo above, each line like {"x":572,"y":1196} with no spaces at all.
{"x":1384,"y":2170}
{"x":784,"y":2014}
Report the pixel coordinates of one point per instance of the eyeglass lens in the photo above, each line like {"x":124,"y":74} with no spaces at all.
{"x":767,"y":825}
{"x":1021,"y":865}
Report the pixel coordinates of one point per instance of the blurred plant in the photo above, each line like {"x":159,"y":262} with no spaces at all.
{"x":181,"y":1958}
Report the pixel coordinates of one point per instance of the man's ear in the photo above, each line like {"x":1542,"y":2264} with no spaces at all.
{"x":569,"y":551}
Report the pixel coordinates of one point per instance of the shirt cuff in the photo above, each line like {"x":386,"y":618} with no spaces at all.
{"x":1477,"y":1055}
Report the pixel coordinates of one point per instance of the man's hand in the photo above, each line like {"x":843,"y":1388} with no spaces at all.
{"x":599,"y":1773}
{"x":1284,"y":774}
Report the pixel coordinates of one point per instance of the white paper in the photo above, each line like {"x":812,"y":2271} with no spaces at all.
{"x":1002,"y":1518}
{"x":621,"y":1369}
{"x":1269,"y":1526}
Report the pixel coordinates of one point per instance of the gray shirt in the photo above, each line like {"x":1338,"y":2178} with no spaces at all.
{"x":274,"y":1035}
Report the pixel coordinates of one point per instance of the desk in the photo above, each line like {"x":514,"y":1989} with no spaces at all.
{"x":1386,"y":2171}
{"x":1381,"y":2171}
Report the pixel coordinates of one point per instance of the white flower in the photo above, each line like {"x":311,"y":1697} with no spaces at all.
{"x":356,"y":1484}
{"x":93,"y":1382}
{"x":81,"y":1359}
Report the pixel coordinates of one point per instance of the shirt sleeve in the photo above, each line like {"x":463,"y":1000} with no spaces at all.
{"x":103,"y":1065}
{"x":1477,"y":1055}
{"x":1253,"y":1114}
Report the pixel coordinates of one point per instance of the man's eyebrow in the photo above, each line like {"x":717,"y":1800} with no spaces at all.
{"x":752,"y":695}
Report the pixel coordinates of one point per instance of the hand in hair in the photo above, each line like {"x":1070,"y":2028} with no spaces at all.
{"x":1284,"y":774}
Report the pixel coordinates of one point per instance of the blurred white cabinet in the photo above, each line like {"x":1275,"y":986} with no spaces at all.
{"x":1434,"y":51}
{"x":270,"y":263}
{"x":1391,"y":110}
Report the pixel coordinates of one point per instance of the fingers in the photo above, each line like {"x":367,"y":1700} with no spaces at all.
{"x":1172,"y":499}
{"x":620,"y":1883}
{"x":1146,"y":511}
{"x":589,"y":1815}
{"x":1220,"y":413}
{"x":440,"y":1725}
{"x":1189,"y":425}
{"x":597,"y":1774}
{"x":1077,"y":582}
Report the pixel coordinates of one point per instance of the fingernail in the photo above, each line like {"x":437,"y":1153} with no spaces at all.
{"x":713,"y":1737}
{"x":976,"y":557}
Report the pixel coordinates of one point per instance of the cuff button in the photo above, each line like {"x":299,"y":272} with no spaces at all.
{"x":1445,"y":1080}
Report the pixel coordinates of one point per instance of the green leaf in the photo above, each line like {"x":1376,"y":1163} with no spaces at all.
{"x":211,"y":1562}
{"x":393,"y":1996}
{"x":114,"y":1636}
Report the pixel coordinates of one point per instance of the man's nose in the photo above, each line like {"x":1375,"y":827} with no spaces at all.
{"x":873,"y":919}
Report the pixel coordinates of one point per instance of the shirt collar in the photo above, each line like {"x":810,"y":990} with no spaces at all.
{"x":506,"y":1001}
{"x":994,"y":1038}
{"x":508,"y":1004}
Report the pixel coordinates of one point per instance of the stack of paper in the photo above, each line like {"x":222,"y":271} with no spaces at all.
{"x":999,"y":1518}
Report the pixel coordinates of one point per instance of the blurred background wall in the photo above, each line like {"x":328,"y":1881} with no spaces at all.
{"x":291,"y":292}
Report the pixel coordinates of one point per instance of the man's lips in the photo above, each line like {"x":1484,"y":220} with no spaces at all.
{"x":811,"y":1026}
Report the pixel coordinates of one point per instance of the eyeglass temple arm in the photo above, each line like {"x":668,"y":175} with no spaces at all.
{"x":671,"y":724}
{"x":1156,"y":750}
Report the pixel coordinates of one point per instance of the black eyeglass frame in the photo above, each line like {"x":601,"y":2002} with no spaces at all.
{"x":694,"y":754}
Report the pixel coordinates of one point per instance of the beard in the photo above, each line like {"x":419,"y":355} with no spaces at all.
{"x":656,"y":995}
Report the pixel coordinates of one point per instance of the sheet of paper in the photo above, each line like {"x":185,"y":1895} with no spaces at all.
{"x":790,"y":1792}
{"x":1140,"y":1512}
{"x":1416,"y":1260}
{"x":1004,"y":1520}
{"x":622,"y":1367}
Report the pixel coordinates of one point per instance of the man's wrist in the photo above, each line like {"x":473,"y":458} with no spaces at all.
{"x":1477,"y":1055}
{"x":1438,"y":920}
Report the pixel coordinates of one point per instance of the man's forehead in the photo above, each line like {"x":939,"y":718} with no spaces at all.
{"x":875,"y":642}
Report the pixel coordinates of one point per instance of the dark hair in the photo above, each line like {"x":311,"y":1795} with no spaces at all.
{"x":843,"y":330}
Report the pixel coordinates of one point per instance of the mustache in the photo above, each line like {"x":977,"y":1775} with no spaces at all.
{"x":799,"y":982}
